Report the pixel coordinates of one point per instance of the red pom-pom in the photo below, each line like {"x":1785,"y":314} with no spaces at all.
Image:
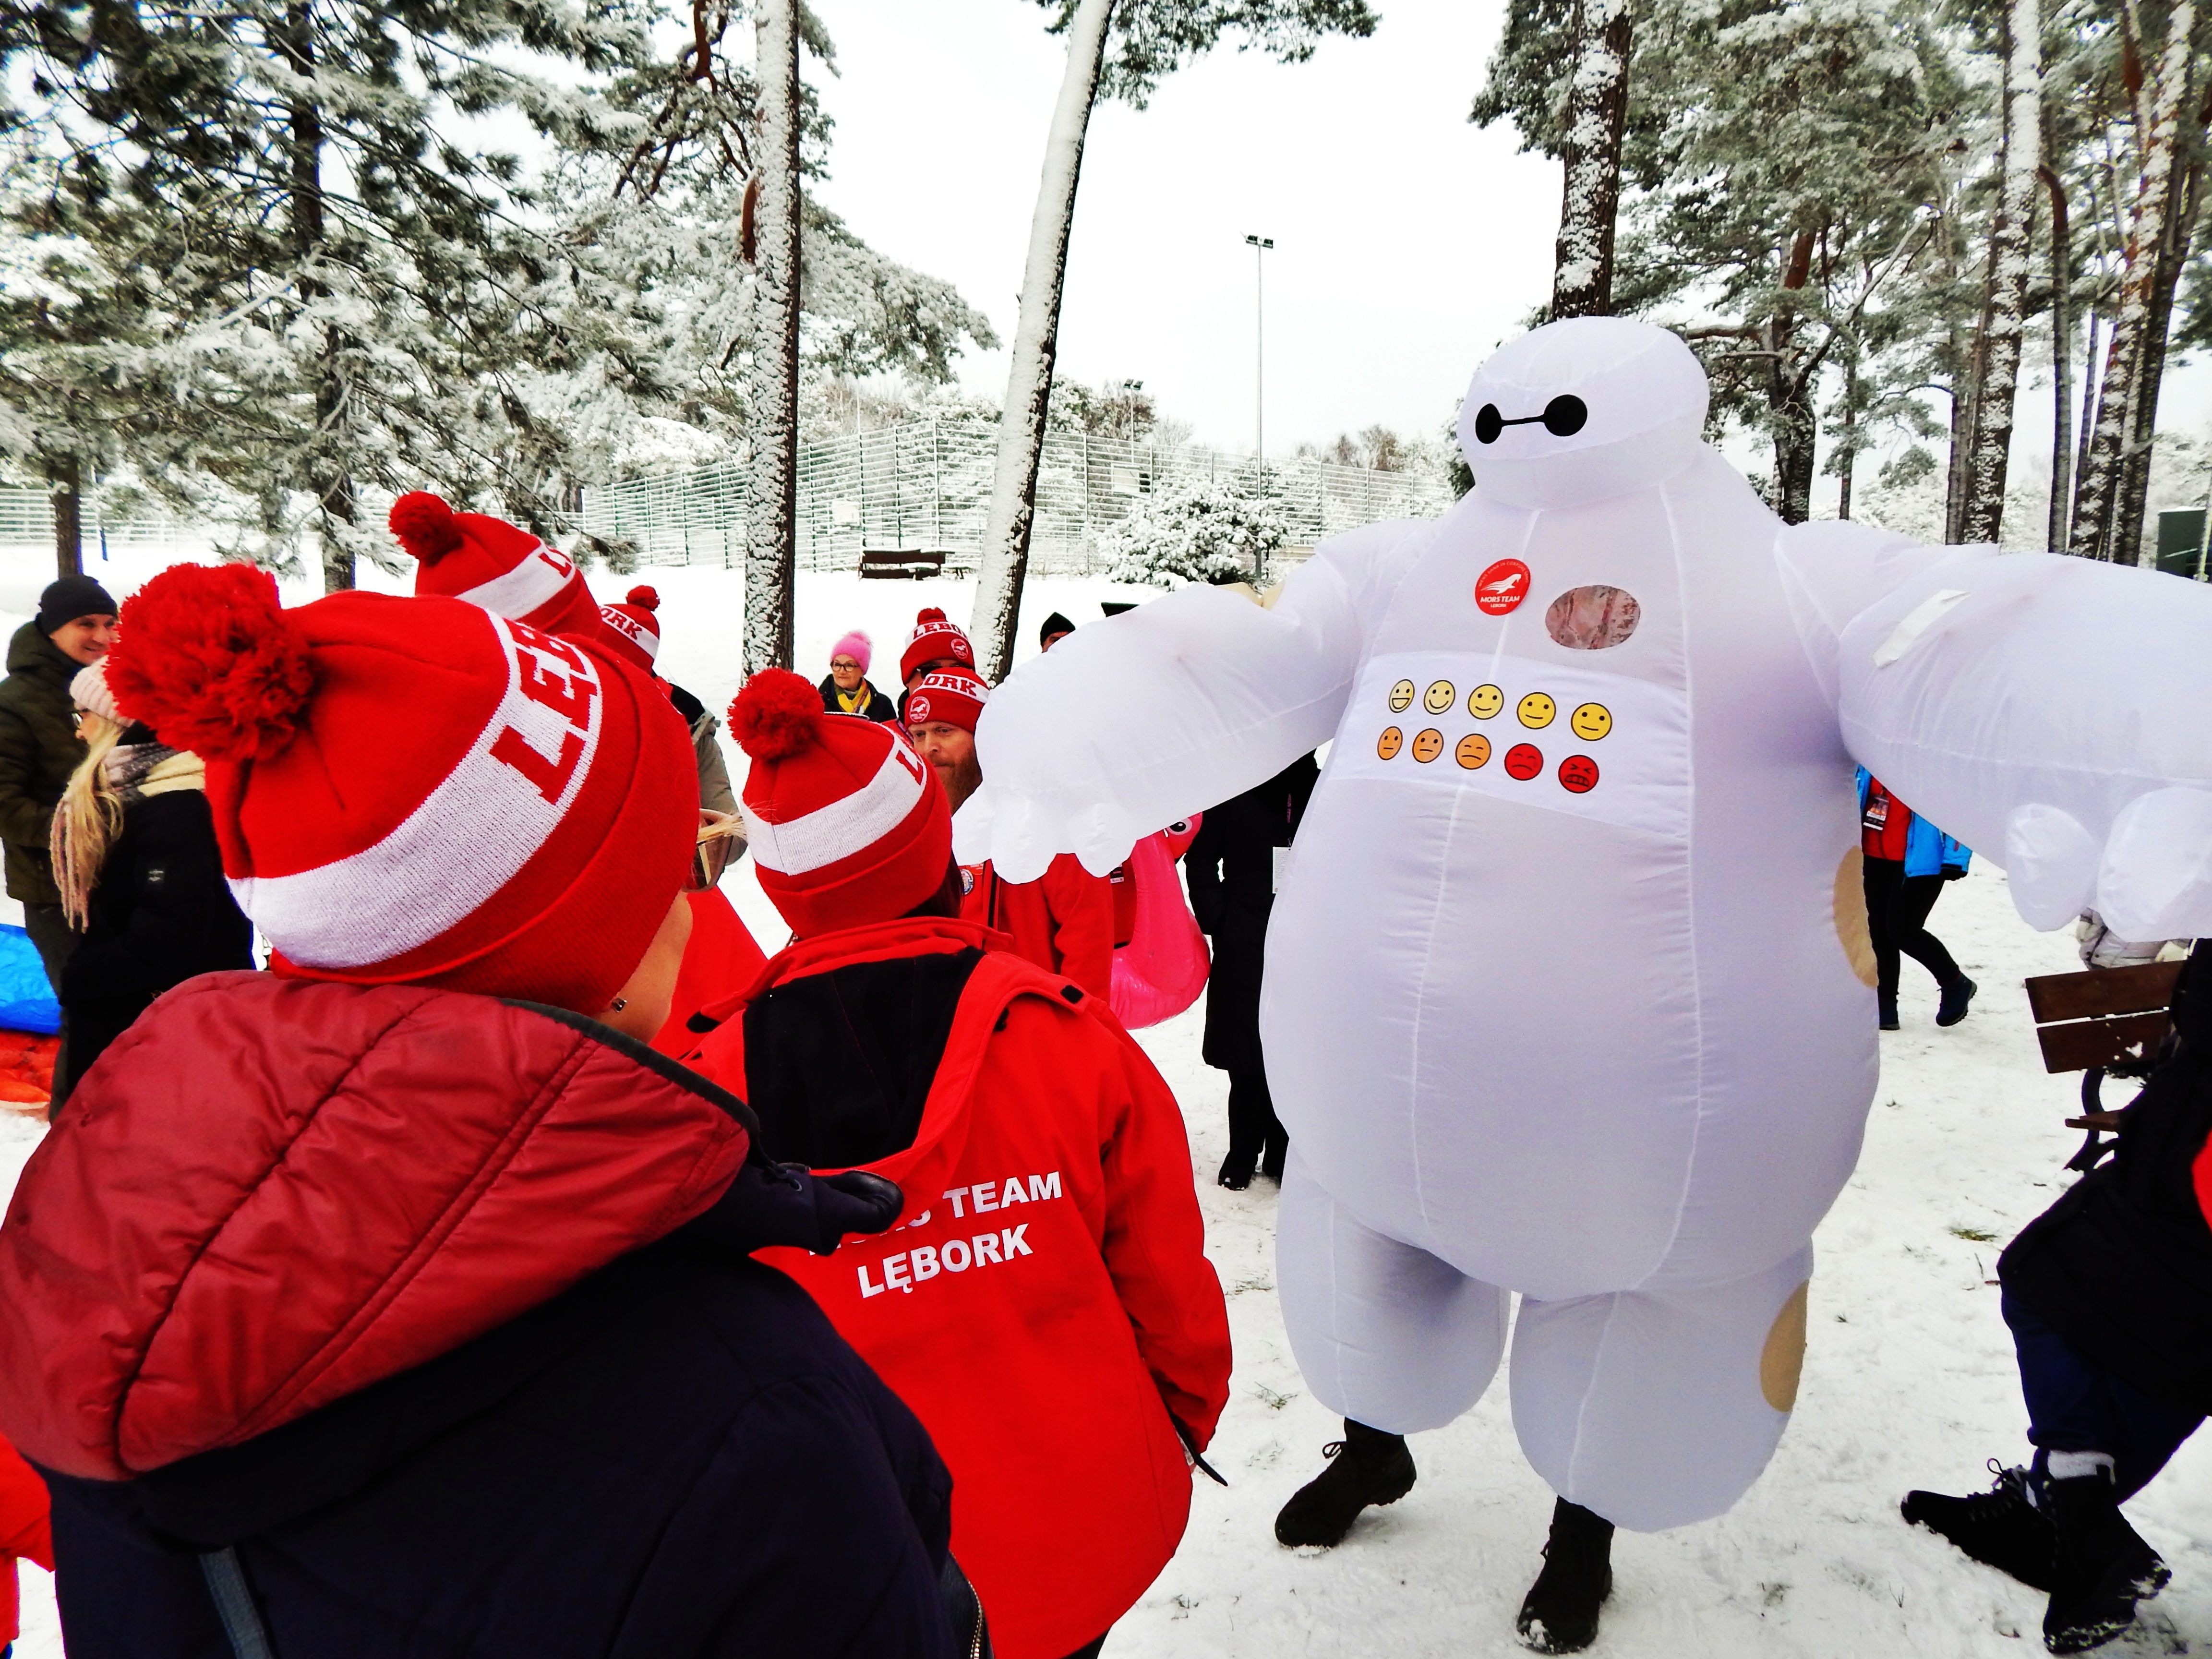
{"x":645,"y":598}
{"x":206,"y":655}
{"x":775,"y":714}
{"x":932,"y":614}
{"x":425,"y":526}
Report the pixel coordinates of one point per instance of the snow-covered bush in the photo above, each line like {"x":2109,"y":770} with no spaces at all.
{"x":1196,"y":529}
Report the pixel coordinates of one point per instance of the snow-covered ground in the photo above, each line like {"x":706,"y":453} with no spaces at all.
{"x":1909,"y":1380}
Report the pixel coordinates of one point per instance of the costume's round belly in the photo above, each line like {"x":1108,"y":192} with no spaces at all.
{"x":1544,"y":1044}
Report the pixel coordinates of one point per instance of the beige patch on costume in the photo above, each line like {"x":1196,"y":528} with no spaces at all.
{"x":1851,"y":917}
{"x":1782,"y":1361}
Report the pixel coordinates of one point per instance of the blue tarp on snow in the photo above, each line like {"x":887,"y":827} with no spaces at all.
{"x":27,"y":1001}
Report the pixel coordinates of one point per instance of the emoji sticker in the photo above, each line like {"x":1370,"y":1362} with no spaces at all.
{"x":1578,"y":774}
{"x":1591,"y":721}
{"x":1388,"y":744}
{"x":1523,"y":761}
{"x":1474,"y":750}
{"x":1485,"y":701}
{"x":1439,"y":697}
{"x":1502,"y":587}
{"x":1428,"y":744}
{"x":1401,"y":696}
{"x":1536,"y":711}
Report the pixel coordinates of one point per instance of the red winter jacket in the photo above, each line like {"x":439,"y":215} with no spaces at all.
{"x":25,"y":1533}
{"x":1063,"y":921}
{"x":271,"y":1192}
{"x":1045,"y":1301}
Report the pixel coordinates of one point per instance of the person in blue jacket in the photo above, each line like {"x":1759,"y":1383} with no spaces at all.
{"x":1907,"y":860}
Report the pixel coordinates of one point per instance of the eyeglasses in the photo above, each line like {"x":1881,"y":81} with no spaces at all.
{"x":844,"y":662}
{"x":717,"y":832}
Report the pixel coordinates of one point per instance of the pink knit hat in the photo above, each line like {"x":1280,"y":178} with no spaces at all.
{"x":857,"y":646}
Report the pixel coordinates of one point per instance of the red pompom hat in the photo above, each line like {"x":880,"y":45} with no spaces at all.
{"x":950,"y":694}
{"x":847,"y":825}
{"x":631,"y":630}
{"x":493,"y":563}
{"x":934,"y":638}
{"x":419,"y":790}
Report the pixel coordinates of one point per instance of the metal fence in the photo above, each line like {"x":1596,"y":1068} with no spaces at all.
{"x":924,"y":486}
{"x":27,"y":519}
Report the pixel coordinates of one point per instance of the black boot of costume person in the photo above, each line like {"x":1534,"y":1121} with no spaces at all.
{"x":1366,"y":1466}
{"x":1257,"y":1140}
{"x":2103,"y":1565}
{"x":1956,"y":995}
{"x":2001,"y":1527}
{"x":1560,"y":1614}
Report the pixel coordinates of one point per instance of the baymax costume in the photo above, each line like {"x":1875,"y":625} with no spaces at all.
{"x":1567,"y":991}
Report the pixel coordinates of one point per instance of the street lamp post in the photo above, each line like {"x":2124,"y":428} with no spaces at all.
{"x":1260,"y":245}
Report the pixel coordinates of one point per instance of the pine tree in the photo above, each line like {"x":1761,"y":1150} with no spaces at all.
{"x":1122,"y":50}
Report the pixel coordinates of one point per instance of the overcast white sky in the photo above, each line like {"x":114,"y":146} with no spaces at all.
{"x":1407,"y":242}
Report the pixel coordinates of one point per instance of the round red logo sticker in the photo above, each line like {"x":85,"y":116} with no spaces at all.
{"x":1523,"y":761}
{"x":1501,"y":587}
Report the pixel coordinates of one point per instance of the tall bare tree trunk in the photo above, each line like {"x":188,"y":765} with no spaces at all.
{"x":772,"y":415}
{"x":1597,"y":114}
{"x":2128,"y":546}
{"x":1789,"y":396}
{"x":65,"y":490}
{"x":1982,"y":518}
{"x":328,"y":479}
{"x":1036,"y":343}
{"x":2061,"y":364}
{"x":1847,"y":461}
{"x":2132,"y":317}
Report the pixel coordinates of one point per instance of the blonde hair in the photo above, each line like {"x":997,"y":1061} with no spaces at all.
{"x":88,"y":818}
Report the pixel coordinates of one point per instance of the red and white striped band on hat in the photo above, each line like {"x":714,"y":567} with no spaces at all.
{"x":478,"y":827}
{"x":646,"y":639}
{"x":848,"y":825}
{"x":536,"y":581}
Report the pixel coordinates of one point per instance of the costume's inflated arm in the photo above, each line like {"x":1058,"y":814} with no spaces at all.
{"x":1164,"y":711}
{"x":2048,"y":712}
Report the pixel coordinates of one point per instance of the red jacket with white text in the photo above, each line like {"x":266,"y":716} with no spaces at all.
{"x":1044,"y":1304}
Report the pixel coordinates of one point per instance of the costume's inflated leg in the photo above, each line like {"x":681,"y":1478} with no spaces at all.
{"x":1656,"y":1408}
{"x":1385,"y":1334}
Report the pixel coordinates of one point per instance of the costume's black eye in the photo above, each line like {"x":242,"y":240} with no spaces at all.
{"x":1488,"y":423}
{"x":1563,"y":417}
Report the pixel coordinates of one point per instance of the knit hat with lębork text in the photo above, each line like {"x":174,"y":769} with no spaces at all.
{"x":631,"y":630}
{"x":936,"y":638}
{"x":493,"y":563}
{"x":950,"y":694}
{"x":419,"y":790}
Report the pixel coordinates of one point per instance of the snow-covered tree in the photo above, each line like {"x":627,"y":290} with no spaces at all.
{"x":1199,"y":530}
{"x":1120,"y":48}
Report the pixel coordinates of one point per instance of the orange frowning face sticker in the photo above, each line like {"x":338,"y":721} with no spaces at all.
{"x":1474,"y":750}
{"x":1428,"y":744}
{"x":1387,"y":745}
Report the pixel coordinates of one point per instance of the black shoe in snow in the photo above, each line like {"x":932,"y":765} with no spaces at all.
{"x":1999,"y":1527}
{"x":2103,"y":1566}
{"x":1366,"y":1466}
{"x":1956,"y":995}
{"x":1272,"y":1160}
{"x":1560,"y":1613}
{"x":1885,"y":1014}
{"x":1236,"y":1171}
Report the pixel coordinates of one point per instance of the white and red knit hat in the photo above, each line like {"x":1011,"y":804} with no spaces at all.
{"x":419,"y":790}
{"x":631,"y":630}
{"x":493,"y":563}
{"x":934,"y":639}
{"x":847,"y":825}
{"x":953,"y":696}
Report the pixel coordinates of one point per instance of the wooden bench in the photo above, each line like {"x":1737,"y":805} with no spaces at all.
{"x":2107,"y":1021}
{"x":883,"y":564}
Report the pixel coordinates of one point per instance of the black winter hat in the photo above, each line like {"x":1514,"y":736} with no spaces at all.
{"x":72,"y":596}
{"x":1055,"y":623}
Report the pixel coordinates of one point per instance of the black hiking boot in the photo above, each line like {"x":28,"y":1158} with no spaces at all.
{"x":1560,"y":1614}
{"x":1956,"y":995}
{"x":1366,"y":1466}
{"x":1885,"y":1017}
{"x":2103,"y":1566}
{"x":1277,"y":1151}
{"x":1236,"y":1169}
{"x":1999,"y":1527}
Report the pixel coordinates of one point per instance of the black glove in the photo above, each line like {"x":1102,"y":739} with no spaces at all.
{"x":789,"y":1204}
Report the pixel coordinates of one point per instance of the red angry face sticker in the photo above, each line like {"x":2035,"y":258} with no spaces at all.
{"x":1501,"y":587}
{"x":1523,"y":761}
{"x":1578,"y":774}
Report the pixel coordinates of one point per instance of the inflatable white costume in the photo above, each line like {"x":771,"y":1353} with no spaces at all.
{"x":1566,"y":991}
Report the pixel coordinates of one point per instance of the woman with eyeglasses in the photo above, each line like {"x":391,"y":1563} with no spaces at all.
{"x":847,"y":690}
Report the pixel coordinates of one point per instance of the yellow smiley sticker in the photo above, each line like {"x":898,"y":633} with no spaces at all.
{"x":1390,"y":742}
{"x":1401,"y":696}
{"x":1474,"y":750}
{"x":1439,"y":697}
{"x":1591,"y":721}
{"x":1485,"y":701}
{"x":1428,"y":744}
{"x":1537,"y":710}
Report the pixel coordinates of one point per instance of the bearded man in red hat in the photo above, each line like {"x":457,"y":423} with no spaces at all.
{"x":1064,"y":920}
